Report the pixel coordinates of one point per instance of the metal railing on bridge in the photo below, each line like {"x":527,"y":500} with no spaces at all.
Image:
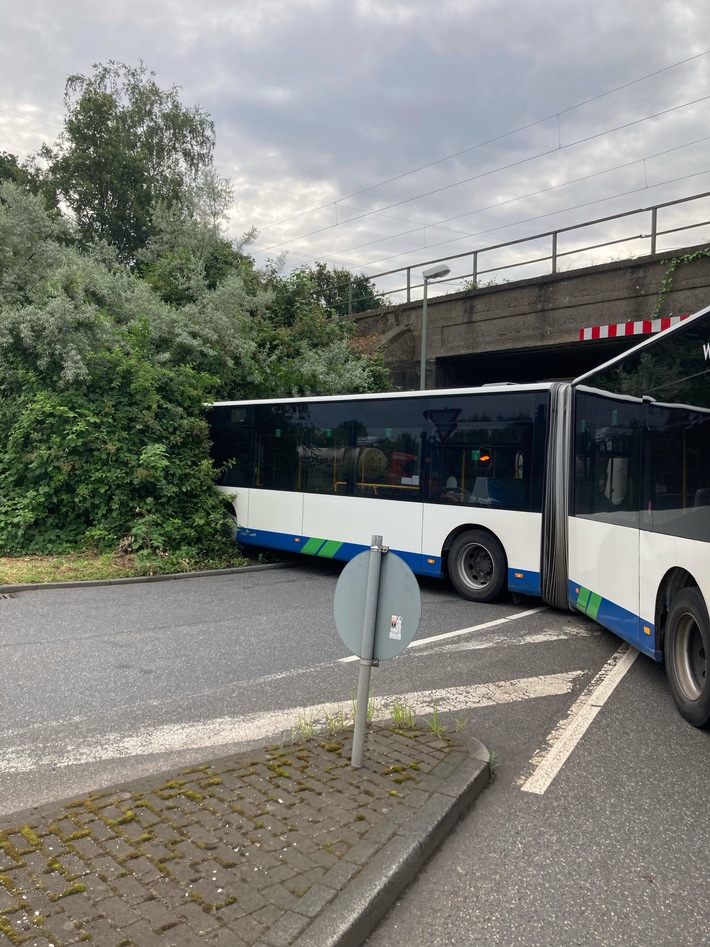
{"x":521,"y":259}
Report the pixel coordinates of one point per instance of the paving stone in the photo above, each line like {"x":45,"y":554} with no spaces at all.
{"x":104,"y":866}
{"x":182,"y":935}
{"x":130,"y":888}
{"x":183,"y":872}
{"x":7,"y":861}
{"x":189,"y":851}
{"x":87,"y":848}
{"x":300,"y":884}
{"x":61,"y":928}
{"x":280,"y":896}
{"x":199,"y":920}
{"x":140,"y":933}
{"x":119,"y":912}
{"x":286,"y":930}
{"x":103,"y":932}
{"x":226,"y":938}
{"x":249,"y":929}
{"x":143,"y":869}
{"x":94,"y":886}
{"x":69,"y":864}
{"x":157,"y":915}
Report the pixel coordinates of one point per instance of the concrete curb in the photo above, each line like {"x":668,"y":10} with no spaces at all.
{"x":357,"y":910}
{"x":90,"y":583}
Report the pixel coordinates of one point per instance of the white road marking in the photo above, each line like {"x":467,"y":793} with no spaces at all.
{"x":564,"y":738}
{"x":227,"y":731}
{"x":435,"y":639}
{"x":506,"y":640}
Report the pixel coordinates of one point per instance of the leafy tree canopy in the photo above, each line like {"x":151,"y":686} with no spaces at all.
{"x":12,"y":170}
{"x":126,"y":147}
{"x":343,"y":292}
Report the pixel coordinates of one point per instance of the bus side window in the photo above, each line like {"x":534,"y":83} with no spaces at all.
{"x":607,"y":458}
{"x":279,"y":462}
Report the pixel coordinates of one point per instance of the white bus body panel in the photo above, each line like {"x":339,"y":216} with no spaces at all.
{"x":604,"y":561}
{"x":357,"y":519}
{"x":660,"y":554}
{"x":340,"y":526}
{"x":519,"y":534}
{"x":616,"y":573}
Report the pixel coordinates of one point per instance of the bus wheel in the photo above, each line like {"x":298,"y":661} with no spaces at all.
{"x":476,"y":565}
{"x":687,"y":651}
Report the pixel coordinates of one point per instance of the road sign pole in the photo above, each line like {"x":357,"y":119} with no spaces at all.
{"x":367,"y":651}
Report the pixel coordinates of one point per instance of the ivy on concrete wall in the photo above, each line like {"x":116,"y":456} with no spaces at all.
{"x":667,"y":284}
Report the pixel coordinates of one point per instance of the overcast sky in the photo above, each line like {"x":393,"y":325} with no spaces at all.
{"x":375,"y":134}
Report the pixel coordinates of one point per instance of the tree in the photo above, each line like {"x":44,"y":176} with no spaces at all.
{"x":306,"y":348}
{"x":188,"y":255}
{"x":127,"y":147}
{"x":31,"y":242}
{"x":26,"y":175}
{"x":341,"y":291}
{"x":12,"y":170}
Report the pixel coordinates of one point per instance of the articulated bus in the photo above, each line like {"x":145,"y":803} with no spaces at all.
{"x":593,"y":495}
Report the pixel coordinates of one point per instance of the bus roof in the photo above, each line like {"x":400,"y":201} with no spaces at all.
{"x":427,"y":393}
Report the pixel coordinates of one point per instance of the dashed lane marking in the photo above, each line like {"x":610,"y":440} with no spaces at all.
{"x":564,"y":738}
{"x":437,"y":639}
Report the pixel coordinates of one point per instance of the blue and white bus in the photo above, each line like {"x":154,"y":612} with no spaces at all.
{"x":593,"y":494}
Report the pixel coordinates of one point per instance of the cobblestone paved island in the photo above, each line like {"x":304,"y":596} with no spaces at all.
{"x":245,"y":850}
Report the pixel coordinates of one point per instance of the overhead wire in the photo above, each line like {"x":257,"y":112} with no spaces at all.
{"x":527,"y":220}
{"x":529,"y":194}
{"x":489,"y":141}
{"x":507,"y":167}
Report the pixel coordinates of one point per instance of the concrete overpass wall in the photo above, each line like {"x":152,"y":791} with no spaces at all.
{"x":530,"y":330}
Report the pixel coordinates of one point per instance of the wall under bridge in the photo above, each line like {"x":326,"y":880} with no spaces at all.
{"x":530,"y":330}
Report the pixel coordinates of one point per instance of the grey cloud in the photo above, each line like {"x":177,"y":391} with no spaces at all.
{"x":315,"y":100}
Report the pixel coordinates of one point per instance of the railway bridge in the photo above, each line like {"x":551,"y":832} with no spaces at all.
{"x":554,"y":326}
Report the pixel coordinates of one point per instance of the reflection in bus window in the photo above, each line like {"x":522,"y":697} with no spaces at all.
{"x":480,"y":449}
{"x":607,"y":456}
{"x":679,"y":456}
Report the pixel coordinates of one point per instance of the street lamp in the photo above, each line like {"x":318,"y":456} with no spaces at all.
{"x":433,"y":272}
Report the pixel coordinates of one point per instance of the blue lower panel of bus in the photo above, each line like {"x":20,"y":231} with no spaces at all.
{"x":625,"y":624}
{"x":528,"y":583}
{"x":331,"y":549}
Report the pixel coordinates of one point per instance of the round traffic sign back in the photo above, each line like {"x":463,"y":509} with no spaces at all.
{"x":399,"y":605}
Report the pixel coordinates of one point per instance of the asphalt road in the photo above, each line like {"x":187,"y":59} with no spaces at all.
{"x":109,"y":683}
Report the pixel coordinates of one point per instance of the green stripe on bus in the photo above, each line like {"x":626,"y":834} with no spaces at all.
{"x":329,"y":549}
{"x":589,"y":602}
{"x":583,"y":599}
{"x":593,"y":607}
{"x":312,"y":546}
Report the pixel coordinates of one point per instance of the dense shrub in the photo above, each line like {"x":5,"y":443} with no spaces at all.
{"x":103,"y":384}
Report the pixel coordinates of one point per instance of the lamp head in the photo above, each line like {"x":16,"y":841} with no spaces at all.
{"x":436,"y":271}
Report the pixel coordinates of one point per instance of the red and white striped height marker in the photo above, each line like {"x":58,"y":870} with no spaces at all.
{"x":642,"y":327}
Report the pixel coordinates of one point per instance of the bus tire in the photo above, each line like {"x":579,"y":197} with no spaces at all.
{"x":477,"y":565}
{"x":687,"y":652}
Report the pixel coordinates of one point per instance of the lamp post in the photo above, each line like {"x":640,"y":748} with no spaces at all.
{"x":433,"y":272}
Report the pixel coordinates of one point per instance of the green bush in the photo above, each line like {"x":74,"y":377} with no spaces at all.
{"x":122,"y":457}
{"x":103,"y":385}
